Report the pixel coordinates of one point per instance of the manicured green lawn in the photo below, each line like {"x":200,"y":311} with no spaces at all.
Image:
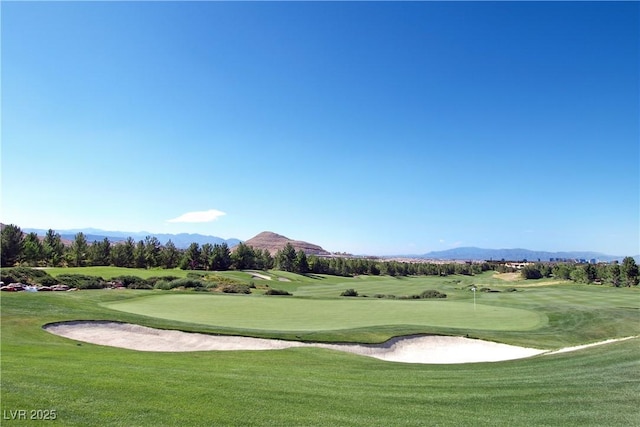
{"x":109,"y":272}
{"x":95,"y":385}
{"x":297,"y":314}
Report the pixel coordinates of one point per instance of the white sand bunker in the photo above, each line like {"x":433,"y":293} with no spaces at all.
{"x":413,"y":349}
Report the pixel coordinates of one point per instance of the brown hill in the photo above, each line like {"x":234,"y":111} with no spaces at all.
{"x":274,"y":242}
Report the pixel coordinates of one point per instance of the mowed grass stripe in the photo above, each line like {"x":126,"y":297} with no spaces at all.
{"x":298,"y":314}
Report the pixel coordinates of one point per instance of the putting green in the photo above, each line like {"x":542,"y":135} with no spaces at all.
{"x":294,"y":314}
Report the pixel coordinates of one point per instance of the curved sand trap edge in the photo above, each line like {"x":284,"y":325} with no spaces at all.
{"x":580,"y":347}
{"x":411,"y":349}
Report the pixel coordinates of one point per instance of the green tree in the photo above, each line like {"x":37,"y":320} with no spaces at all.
{"x":531,"y":272}
{"x":243,"y":257}
{"x":206,"y":256}
{"x":79,"y":250}
{"x":301,"y":264}
{"x":140,"y":255}
{"x":318,"y":265}
{"x":579,"y":275}
{"x":11,"y":248}
{"x":389,"y":268}
{"x":100,"y":252}
{"x":122,"y":253}
{"x":170,"y":255}
{"x":152,"y":250}
{"x":629,"y":270}
{"x":191,"y":258}
{"x":590,"y":272}
{"x":53,"y":248}
{"x":614,"y":275}
{"x":265,"y":259}
{"x":32,"y":250}
{"x":221,"y":258}
{"x":286,"y":258}
{"x":562,"y":271}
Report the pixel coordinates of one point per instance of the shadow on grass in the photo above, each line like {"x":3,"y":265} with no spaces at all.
{"x":314,"y":276}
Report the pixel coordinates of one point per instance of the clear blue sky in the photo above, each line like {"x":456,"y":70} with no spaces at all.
{"x":377,"y":128}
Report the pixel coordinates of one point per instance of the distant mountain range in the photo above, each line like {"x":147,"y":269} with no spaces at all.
{"x":182,"y":240}
{"x":479,"y":254}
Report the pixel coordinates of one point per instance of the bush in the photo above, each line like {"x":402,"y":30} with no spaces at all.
{"x":126,"y":280}
{"x":349,"y":293}
{"x":163,"y":285}
{"x":276,"y":292}
{"x":81,"y":281}
{"x":27,"y":275}
{"x":48,"y":281}
{"x":187,"y":283}
{"x":432,"y":293}
{"x":236,"y":289}
{"x":155,"y":279}
{"x":140,"y":285}
{"x":169,"y":282}
{"x":217,"y":280}
{"x":133,"y":282}
{"x":531,"y":272}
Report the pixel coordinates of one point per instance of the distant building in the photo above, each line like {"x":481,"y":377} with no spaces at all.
{"x":517,"y":265}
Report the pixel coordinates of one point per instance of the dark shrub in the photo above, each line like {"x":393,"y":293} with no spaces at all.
{"x":26,"y":275}
{"x":133,"y":282}
{"x":276,"y":292}
{"x":349,"y":293}
{"x":236,"y":289}
{"x":48,"y":281}
{"x":432,"y":293}
{"x":140,"y":285}
{"x":531,"y":272}
{"x":81,"y":281}
{"x":155,"y":279}
{"x":187,"y":283}
{"x":162,"y":285}
{"x":126,"y":280}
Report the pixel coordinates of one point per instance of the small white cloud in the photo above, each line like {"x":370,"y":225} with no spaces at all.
{"x":441,"y":240}
{"x":200,"y":216}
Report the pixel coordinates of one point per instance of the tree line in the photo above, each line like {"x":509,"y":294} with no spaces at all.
{"x":23,"y":249}
{"x":614,"y":274}
{"x":29,"y":250}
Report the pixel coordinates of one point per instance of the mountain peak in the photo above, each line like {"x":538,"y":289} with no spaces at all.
{"x":273,"y":242}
